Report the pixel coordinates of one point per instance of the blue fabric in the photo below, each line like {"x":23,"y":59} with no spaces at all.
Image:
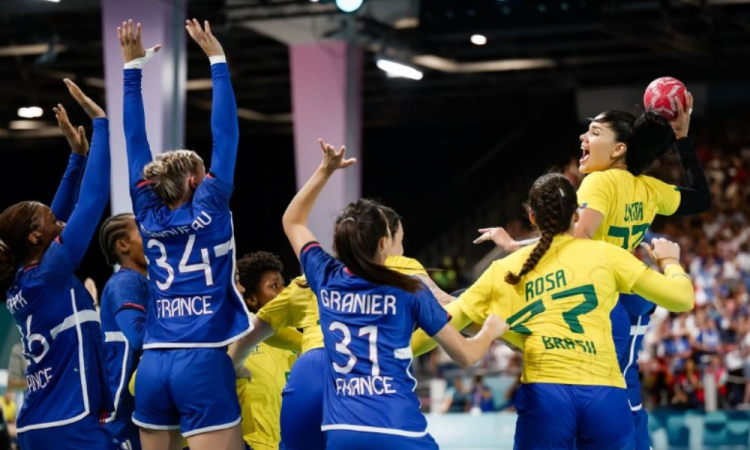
{"x":640,"y":426}
{"x":348,"y":440}
{"x":561,"y":416}
{"x":62,"y":342}
{"x":367,"y":332}
{"x":123,"y":316}
{"x":67,"y":194}
{"x":303,"y":397}
{"x":630,"y":316}
{"x":84,"y":434}
{"x":224,"y":124}
{"x":134,"y":123}
{"x":191,"y":389}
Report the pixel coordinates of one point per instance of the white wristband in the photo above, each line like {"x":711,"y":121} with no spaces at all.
{"x":217,"y":59}
{"x":138,"y":63}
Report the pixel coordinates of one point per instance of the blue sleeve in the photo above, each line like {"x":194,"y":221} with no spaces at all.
{"x":132,"y":323}
{"x":134,"y":122}
{"x":213,"y":194}
{"x":429,"y":315}
{"x":316,"y":264}
{"x":224,"y":125}
{"x":636,"y":305}
{"x":77,"y":234}
{"x":67,"y":194}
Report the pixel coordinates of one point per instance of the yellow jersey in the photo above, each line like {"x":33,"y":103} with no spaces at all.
{"x":560,"y":309}
{"x":297,"y":307}
{"x":260,"y":398}
{"x":628,"y":203}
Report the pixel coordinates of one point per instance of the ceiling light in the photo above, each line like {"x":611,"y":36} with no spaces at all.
{"x":395,"y":69}
{"x":54,"y":1}
{"x":30,"y":112}
{"x":478,"y":39}
{"x":349,"y":6}
{"x":26,"y":125}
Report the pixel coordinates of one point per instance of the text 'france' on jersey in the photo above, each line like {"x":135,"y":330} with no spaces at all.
{"x":367,"y":331}
{"x":191,"y":256}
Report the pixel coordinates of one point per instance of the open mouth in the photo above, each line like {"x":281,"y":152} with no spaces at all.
{"x":585,"y":156}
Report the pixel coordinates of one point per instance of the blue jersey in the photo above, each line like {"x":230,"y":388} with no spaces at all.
{"x":62,"y":342}
{"x":125,"y":290}
{"x":367,"y":332}
{"x":630,"y":319}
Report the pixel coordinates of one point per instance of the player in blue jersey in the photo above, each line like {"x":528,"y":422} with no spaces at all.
{"x":186,"y":381}
{"x":123,"y":317}
{"x":67,"y":386}
{"x":368,"y":313}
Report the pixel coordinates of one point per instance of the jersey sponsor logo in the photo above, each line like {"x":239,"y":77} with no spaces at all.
{"x":199,"y":305}
{"x":354,"y":303}
{"x":552,"y":343}
{"x":369,"y":385}
{"x":549,"y":282}
{"x":634,"y":212}
{"x":16,"y":303}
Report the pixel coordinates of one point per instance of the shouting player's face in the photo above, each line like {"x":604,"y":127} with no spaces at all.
{"x":600,"y":148}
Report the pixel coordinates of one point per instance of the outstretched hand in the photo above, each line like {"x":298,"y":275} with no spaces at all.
{"x":76,"y":137}
{"x":93,"y":110}
{"x":333,"y":160}
{"x":681,"y":123}
{"x":499,"y":236}
{"x":662,"y":251}
{"x":131,"y":42}
{"x":204,"y":37}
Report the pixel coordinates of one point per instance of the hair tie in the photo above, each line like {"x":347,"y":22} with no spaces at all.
{"x":348,"y":219}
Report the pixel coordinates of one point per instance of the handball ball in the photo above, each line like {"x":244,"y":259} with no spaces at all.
{"x":662,"y":96}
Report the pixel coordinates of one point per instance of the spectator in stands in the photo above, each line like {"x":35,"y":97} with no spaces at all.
{"x":687,"y":387}
{"x":481,"y":396}
{"x":456,"y":399}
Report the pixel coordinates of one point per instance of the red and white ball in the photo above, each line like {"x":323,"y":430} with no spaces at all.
{"x":662,"y":96}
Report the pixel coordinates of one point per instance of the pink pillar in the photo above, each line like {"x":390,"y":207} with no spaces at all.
{"x":163,"y":82}
{"x":326,"y":103}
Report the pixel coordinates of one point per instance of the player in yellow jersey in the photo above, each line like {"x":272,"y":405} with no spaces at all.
{"x":260,"y":281}
{"x":297,"y":307}
{"x":557,"y":296}
{"x":618,"y":205}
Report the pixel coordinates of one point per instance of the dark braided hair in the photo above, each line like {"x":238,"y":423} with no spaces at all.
{"x":113,"y":229}
{"x":358,"y":231}
{"x":647,"y":137}
{"x":553,"y":201}
{"x":252,"y":267}
{"x":16,"y":223}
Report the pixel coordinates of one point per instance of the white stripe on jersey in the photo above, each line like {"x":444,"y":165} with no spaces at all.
{"x":118,"y":336}
{"x":638,"y":330}
{"x":366,"y":429}
{"x":73,"y":319}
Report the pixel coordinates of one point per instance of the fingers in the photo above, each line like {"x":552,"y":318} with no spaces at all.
{"x":484,"y":237}
{"x":689,"y":101}
{"x":156,"y":48}
{"x":680,"y":106}
{"x":74,"y":90}
{"x":207,"y":27}
{"x":486,"y":230}
{"x":138,"y":34}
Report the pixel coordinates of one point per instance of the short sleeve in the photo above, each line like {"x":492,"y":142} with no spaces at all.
{"x":57,"y":266}
{"x":144,"y":198}
{"x":429,"y":315}
{"x":477,"y":300}
{"x":213,"y":194}
{"x":316,"y":264}
{"x":595,"y":193}
{"x":406,"y":266}
{"x":625,"y":267}
{"x":668,"y":196}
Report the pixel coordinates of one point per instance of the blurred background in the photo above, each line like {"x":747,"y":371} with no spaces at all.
{"x":454,"y":107}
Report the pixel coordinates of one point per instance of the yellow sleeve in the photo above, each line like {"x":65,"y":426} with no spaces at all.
{"x":131,"y":383}
{"x":595,"y":193}
{"x":477,"y":300}
{"x":668,"y":195}
{"x":243,"y":394}
{"x":286,"y":339}
{"x":406,"y":266}
{"x":278,"y":312}
{"x":673,"y":290}
{"x":421,"y":343}
{"x":625,"y":267}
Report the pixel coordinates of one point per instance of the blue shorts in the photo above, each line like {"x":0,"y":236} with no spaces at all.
{"x":87,"y":433}
{"x":302,"y":403}
{"x":348,"y":440}
{"x":125,"y":432}
{"x":563,"y":416}
{"x":193,"y":390}
{"x":640,"y":417}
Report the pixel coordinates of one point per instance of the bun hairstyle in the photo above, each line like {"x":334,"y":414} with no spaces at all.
{"x":169,"y":173}
{"x":553,"y":201}
{"x":647,"y":137}
{"x":16,"y":223}
{"x":114,"y":229}
{"x":358,"y":231}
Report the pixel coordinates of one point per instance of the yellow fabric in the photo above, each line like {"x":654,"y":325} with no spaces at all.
{"x":628,"y":204}
{"x":286,"y":339}
{"x":673,"y":290}
{"x":297,"y":307}
{"x":260,"y":399}
{"x":9,"y":410}
{"x":566,"y":339}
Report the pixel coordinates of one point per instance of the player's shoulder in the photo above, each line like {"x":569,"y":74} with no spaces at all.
{"x":405,"y":265}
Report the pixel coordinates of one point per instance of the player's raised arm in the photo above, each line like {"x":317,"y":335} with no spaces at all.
{"x":673,"y":290}
{"x":224,"y":125}
{"x":134,"y":117}
{"x":295,"y":217}
{"x":95,"y":185}
{"x":67,"y":193}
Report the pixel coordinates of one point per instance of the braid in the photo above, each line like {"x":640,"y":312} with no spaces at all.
{"x":114,"y":229}
{"x":553,"y":201}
